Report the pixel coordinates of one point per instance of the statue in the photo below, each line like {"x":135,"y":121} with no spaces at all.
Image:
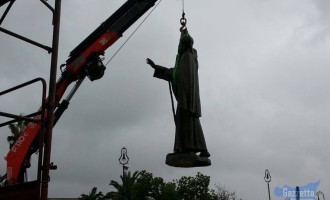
{"x":189,"y":137}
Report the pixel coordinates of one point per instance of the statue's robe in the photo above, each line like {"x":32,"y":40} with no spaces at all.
{"x":189,"y":135}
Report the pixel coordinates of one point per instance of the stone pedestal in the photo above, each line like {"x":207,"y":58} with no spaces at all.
{"x":186,"y":160}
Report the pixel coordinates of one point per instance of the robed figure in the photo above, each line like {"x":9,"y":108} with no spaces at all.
{"x":189,"y":137}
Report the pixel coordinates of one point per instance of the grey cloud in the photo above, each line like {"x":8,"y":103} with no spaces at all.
{"x":264,"y":92}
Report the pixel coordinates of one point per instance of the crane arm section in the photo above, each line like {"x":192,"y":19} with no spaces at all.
{"x":83,"y":61}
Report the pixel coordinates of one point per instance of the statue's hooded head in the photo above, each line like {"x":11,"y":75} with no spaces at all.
{"x":185,"y":44}
{"x":186,"y":41}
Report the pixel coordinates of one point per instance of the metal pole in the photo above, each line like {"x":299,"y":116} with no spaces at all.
{"x":51,"y":101}
{"x":268,"y":179}
{"x":26,"y":39}
{"x":268,"y":191}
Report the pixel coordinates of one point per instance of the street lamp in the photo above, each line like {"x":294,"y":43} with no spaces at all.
{"x":318,"y":195}
{"x":268,"y":179}
{"x":123,"y":159}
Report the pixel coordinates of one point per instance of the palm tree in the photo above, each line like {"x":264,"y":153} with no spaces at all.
{"x":16,"y":130}
{"x":92,"y":195}
{"x":124,"y":190}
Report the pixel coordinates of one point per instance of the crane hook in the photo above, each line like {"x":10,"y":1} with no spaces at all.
{"x":183,"y":21}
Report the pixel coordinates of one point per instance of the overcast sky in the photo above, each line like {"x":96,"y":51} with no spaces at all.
{"x":264,"y":84}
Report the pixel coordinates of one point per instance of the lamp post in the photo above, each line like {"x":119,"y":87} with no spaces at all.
{"x":268,"y":179}
{"x":123,"y":159}
{"x":318,"y":194}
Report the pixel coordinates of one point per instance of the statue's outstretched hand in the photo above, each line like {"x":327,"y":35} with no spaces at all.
{"x":151,"y":63}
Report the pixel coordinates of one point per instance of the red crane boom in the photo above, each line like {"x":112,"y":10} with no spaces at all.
{"x":83,"y":61}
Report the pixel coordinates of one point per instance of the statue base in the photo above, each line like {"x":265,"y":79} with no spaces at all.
{"x":186,"y":160}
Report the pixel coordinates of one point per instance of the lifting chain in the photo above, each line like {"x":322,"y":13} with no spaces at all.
{"x":183,"y":21}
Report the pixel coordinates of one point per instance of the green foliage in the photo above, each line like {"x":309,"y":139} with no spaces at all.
{"x":170,"y":191}
{"x":143,"y":186}
{"x":194,"y":188}
{"x":2,"y":183}
{"x":93,"y":195}
{"x":15,"y":129}
{"x":149,"y":187}
{"x":224,"y":194}
{"x":124,"y":190}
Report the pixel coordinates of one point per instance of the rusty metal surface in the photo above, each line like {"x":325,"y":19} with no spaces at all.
{"x":24,"y":191}
{"x":38,"y":189}
{"x":51,"y":101}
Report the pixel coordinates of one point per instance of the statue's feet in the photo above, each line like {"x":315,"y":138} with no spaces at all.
{"x":205,"y":154}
